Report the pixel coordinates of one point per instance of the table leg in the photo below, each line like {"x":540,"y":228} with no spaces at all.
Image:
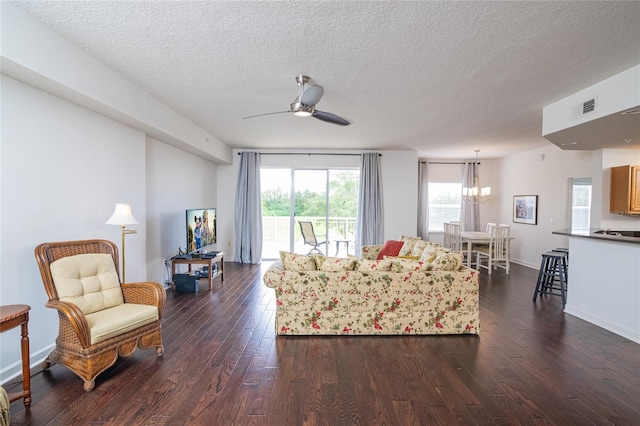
{"x":211,"y":274}
{"x":26,"y":372}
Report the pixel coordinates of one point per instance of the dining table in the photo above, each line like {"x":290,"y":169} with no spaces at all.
{"x":473,"y":237}
{"x":476,"y":237}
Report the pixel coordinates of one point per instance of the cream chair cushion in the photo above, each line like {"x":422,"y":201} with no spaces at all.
{"x":119,"y":319}
{"x":89,"y":281}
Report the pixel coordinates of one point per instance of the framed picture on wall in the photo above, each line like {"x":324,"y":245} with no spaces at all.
{"x":525,"y":209}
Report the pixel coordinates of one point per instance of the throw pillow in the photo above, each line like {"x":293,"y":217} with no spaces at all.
{"x":334,"y":264}
{"x":390,"y":248}
{"x":447,"y":261}
{"x":297,"y":262}
{"x":408,"y":265}
{"x":431,"y":252}
{"x":418,"y":248}
{"x":365,"y":265}
{"x":407,"y":247}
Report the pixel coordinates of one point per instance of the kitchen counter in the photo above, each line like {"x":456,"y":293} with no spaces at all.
{"x":604,"y":281}
{"x":593,"y":233}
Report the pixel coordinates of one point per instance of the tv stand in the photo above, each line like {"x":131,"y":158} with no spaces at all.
{"x":208,"y":261}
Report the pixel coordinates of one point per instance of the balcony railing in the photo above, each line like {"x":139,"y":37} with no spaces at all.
{"x":276,"y":234}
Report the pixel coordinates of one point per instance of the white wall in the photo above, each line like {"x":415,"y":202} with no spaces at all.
{"x":176,"y":181}
{"x":63,"y":169}
{"x":399,"y":187}
{"x":526,"y":174}
{"x":74,"y":142}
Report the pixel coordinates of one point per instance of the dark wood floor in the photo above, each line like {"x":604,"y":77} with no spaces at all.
{"x":223,"y":365}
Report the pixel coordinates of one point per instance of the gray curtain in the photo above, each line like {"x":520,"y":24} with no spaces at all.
{"x":470,"y":214}
{"x":370,"y":214}
{"x":248,"y":215}
{"x":423,"y":200}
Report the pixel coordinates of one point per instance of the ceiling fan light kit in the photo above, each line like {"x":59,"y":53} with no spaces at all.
{"x":305,"y":103}
{"x":301,"y":110}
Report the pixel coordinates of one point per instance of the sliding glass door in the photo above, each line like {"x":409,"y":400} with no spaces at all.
{"x":325,"y":197}
{"x":310,"y":202}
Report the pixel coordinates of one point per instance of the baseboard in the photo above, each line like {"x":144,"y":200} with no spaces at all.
{"x":14,"y":370}
{"x":527,"y":264}
{"x":599,"y":322}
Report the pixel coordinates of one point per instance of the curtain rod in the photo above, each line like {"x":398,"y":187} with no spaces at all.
{"x":301,"y":153}
{"x":445,"y":162}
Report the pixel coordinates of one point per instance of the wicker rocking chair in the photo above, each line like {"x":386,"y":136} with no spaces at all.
{"x":100,"y":318}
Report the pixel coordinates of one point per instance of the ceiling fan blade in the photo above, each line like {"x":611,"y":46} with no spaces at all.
{"x":330,"y":118}
{"x":268,"y":113}
{"x":312,"y":94}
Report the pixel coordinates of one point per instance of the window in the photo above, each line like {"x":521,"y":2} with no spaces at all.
{"x":445,"y":200}
{"x":580,"y":203}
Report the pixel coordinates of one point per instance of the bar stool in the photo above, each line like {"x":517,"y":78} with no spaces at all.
{"x":564,"y":250}
{"x":552,"y":277}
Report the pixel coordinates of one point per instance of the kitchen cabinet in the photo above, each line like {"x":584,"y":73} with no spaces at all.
{"x":625,"y":190}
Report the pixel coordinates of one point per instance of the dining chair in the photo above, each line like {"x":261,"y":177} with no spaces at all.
{"x":496,"y":254}
{"x":455,"y":236}
{"x":491,"y":227}
{"x":502,"y":258}
{"x":446,"y":241}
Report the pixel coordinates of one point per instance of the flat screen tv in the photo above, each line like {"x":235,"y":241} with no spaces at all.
{"x":201,"y":228}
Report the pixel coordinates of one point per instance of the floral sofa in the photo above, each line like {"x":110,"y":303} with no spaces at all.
{"x":317,"y":295}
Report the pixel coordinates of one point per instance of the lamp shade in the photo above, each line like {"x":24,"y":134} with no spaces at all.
{"x":122,"y":215}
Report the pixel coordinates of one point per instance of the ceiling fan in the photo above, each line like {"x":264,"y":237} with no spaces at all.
{"x":305,"y":103}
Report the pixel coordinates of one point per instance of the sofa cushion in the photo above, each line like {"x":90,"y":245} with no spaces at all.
{"x":365,"y":265}
{"x":297,"y":262}
{"x":407,"y":265}
{"x":89,"y":281}
{"x":447,"y":261}
{"x":390,"y":248}
{"x":334,"y":264}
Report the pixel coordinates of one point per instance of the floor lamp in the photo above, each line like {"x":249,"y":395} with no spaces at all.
{"x":122,"y":216}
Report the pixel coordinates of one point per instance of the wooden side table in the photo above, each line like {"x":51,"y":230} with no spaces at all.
{"x":12,"y":316}
{"x":208,"y":261}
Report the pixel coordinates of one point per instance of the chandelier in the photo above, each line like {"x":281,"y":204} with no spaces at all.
{"x":476,"y":194}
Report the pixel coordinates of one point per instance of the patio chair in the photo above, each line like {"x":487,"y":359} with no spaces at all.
{"x":310,"y":237}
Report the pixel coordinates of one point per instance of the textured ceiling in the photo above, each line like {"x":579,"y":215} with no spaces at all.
{"x":441,"y":78}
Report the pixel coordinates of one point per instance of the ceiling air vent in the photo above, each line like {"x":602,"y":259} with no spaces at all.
{"x":589,"y":106}
{"x":584,"y":108}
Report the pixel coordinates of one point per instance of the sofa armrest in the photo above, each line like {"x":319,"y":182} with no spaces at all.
{"x":273,"y":276}
{"x":371,"y":252}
